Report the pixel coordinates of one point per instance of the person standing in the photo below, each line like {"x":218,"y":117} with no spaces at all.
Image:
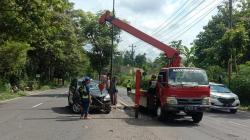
{"x":113,"y":91}
{"x":152,"y":93}
{"x":107,"y":83}
{"x":129,"y":86}
{"x":85,"y":98}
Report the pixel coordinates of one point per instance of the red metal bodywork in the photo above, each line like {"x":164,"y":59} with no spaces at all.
{"x":171,"y":53}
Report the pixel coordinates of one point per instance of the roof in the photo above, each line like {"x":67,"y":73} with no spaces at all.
{"x":213,"y":83}
{"x":165,"y":68}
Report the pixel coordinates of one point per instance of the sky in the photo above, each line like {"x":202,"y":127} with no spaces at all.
{"x":165,"y":20}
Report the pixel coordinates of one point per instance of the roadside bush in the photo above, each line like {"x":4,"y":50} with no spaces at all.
{"x":241,"y":86}
{"x":240,"y":83}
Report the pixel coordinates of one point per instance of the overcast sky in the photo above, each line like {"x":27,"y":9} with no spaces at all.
{"x":166,"y":20}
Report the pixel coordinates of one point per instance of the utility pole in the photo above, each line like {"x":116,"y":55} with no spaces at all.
{"x":112,"y":44}
{"x":132,"y":58}
{"x":231,"y":47}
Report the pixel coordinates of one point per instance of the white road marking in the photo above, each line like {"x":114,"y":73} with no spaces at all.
{"x":37,"y":105}
{"x":237,"y":124}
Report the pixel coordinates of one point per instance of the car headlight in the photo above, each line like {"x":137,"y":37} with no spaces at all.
{"x":236,"y":98}
{"x":213,"y":96}
{"x":171,"y":100}
{"x":107,"y":98}
{"x":206,"y":101}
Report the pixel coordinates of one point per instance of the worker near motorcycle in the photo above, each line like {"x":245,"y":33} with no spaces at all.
{"x":152,"y":92}
{"x":129,"y":86}
{"x":85,"y":98}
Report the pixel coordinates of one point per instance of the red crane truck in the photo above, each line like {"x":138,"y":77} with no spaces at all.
{"x":180,"y":91}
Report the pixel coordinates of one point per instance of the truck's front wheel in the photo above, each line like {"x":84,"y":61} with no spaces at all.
{"x":197,"y":117}
{"x":160,"y":112}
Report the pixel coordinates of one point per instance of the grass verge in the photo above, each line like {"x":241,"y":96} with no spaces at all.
{"x":7,"y":95}
{"x":245,"y":107}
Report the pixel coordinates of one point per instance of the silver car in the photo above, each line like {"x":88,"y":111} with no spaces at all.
{"x":223,"y":99}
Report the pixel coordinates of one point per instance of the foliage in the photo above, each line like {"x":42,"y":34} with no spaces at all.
{"x":216,"y":44}
{"x":13,"y":56}
{"x":40,"y":40}
{"x":240,"y":83}
{"x":99,"y":36}
{"x":216,"y":74}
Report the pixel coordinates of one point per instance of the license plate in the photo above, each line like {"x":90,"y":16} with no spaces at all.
{"x":190,"y":108}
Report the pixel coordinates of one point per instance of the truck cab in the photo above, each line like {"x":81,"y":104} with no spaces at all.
{"x":182,"y":89}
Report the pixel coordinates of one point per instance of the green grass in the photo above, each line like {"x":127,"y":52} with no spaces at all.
{"x":7,"y":95}
{"x":245,"y":107}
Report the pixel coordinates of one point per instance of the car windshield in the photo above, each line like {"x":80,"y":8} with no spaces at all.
{"x":187,"y":77}
{"x":220,"y":89}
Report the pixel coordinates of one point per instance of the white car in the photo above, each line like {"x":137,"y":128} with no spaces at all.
{"x":223,"y":99}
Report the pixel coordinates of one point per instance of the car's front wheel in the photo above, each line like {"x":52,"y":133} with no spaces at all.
{"x":76,"y":108}
{"x":107,"y":109}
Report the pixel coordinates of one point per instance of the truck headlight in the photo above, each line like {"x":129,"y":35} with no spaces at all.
{"x":107,"y":98}
{"x":206,"y":101}
{"x":171,"y":100}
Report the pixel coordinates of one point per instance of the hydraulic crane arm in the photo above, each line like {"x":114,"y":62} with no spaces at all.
{"x":170,"y":53}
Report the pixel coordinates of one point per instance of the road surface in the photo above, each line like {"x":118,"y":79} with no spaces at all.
{"x":46,"y":117}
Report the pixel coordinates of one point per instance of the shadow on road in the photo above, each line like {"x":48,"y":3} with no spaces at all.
{"x":62,"y":118}
{"x":145,"y":119}
{"x":228,"y":115}
{"x":52,"y":95}
{"x":62,"y":110}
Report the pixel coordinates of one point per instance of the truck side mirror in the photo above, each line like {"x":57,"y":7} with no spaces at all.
{"x":160,"y":78}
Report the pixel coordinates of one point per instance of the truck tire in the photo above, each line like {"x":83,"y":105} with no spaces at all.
{"x":197,"y":117}
{"x":160,"y":112}
{"x":136,"y":112}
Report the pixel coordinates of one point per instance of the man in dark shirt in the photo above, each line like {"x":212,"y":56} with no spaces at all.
{"x":85,"y":98}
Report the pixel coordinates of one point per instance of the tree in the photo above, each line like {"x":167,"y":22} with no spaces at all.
{"x":141,"y":60}
{"x":189,"y":56}
{"x":216,"y":43}
{"x":127,"y":58}
{"x":13,"y":56}
{"x":100,"y":38}
{"x":52,"y":34}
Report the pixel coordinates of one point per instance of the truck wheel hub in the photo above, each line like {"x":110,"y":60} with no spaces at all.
{"x":159,"y":111}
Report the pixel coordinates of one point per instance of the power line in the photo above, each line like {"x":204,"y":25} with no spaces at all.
{"x":181,"y":10}
{"x":180,"y":18}
{"x":193,"y":23}
{"x":161,"y":26}
{"x":177,"y":20}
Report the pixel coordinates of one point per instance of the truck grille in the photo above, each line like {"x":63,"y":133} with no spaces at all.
{"x":189,"y":101}
{"x":226,"y":101}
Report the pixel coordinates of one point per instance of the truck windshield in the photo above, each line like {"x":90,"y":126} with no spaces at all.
{"x":191,"y":77}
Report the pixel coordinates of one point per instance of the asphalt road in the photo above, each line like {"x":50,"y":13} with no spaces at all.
{"x":46,"y":117}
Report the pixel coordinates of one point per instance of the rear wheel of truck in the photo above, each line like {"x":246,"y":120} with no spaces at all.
{"x":197,"y":117}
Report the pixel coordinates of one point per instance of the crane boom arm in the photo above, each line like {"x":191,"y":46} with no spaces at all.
{"x":171,"y":53}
